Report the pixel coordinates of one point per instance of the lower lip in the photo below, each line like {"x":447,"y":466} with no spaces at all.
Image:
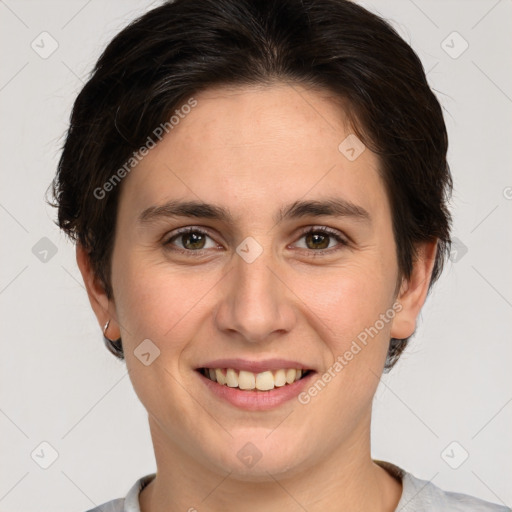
{"x":257,"y":400}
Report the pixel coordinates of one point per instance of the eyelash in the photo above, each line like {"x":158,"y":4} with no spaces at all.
{"x":315,"y":253}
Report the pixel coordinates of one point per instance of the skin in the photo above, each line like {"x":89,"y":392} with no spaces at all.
{"x":255,"y":149}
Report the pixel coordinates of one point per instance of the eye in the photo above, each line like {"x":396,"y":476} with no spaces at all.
{"x":192,"y":240}
{"x":317,"y":239}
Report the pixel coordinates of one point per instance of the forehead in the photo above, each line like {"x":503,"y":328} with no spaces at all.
{"x":263,"y":115}
{"x":249,"y":147}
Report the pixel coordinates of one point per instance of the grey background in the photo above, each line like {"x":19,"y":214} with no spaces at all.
{"x":59,"y":384}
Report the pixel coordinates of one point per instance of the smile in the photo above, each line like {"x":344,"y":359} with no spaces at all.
{"x":250,"y":381}
{"x":255,"y":391}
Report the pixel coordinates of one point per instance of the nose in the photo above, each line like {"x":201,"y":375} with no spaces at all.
{"x":257,"y":304}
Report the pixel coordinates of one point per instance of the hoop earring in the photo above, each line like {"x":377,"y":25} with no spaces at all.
{"x":114,"y":346}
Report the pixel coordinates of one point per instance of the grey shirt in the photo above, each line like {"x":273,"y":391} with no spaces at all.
{"x":417,"y":496}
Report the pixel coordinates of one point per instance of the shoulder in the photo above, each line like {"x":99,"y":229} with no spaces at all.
{"x":116,"y":505}
{"x":423,"y":495}
{"x":433,"y":498}
{"x":130,"y":503}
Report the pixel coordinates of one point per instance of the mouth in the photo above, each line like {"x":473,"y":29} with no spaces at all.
{"x":264,"y":381}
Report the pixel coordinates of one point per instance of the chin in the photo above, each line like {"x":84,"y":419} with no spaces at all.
{"x":258,"y":460}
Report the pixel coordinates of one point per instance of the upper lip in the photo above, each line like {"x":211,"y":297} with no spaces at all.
{"x":255,"y":366}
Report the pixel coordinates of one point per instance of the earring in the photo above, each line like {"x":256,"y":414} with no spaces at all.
{"x":114,"y":346}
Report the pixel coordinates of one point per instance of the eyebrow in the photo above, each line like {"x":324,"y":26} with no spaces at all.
{"x":332,"y":207}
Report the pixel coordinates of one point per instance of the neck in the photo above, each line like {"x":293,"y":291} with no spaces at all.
{"x":345,"y":479}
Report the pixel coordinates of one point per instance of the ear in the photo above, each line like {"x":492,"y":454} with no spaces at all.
{"x":103,"y":307}
{"x":413,"y":291}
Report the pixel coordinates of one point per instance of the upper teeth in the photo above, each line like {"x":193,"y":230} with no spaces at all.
{"x":263,"y":381}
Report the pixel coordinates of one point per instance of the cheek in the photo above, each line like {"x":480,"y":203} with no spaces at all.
{"x":347,"y":306}
{"x":347,"y":299}
{"x":156,"y":301}
{"x":153,"y":302}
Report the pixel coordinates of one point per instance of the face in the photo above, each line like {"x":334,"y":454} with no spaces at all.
{"x":278,"y":276}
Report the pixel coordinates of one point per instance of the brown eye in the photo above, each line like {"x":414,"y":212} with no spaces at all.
{"x":193,"y":240}
{"x":315,"y":240}
{"x":190,"y":239}
{"x":319,"y":240}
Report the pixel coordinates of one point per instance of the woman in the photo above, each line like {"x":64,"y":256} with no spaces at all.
{"x":256,"y":342}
